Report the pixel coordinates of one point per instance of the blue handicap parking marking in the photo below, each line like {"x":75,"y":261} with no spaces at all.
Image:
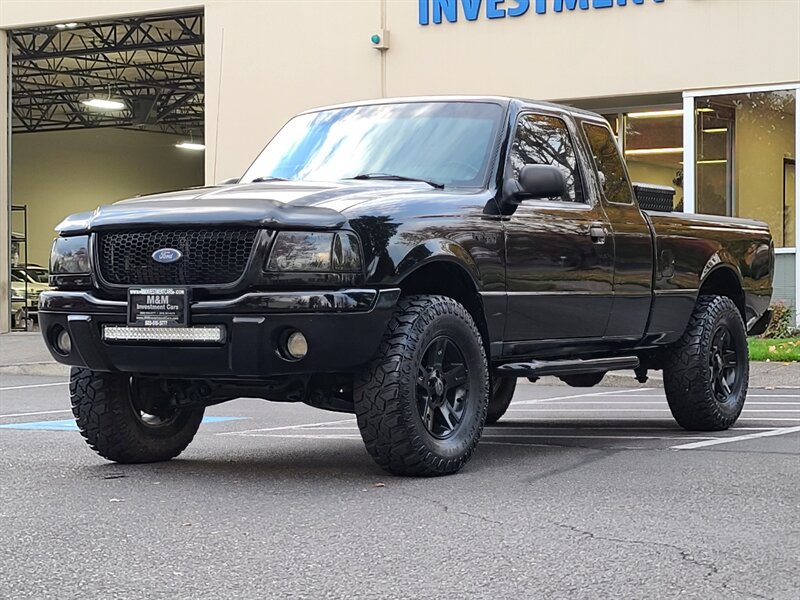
{"x":64,"y":425}
{"x":69,"y":424}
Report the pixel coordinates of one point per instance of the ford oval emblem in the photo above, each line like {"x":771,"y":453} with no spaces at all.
{"x":167,"y":255}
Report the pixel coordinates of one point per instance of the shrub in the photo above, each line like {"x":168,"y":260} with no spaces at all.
{"x":781,"y":325}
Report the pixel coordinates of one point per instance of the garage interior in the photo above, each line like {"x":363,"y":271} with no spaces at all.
{"x":100,"y":111}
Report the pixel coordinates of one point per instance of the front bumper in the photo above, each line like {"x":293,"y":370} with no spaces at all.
{"x":343,"y":329}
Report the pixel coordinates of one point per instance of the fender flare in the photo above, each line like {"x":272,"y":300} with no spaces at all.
{"x":438,"y":250}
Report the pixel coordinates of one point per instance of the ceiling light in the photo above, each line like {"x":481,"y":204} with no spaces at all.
{"x":716,"y":130}
{"x":66,"y":25}
{"x":104,"y":103}
{"x":190,"y":146}
{"x":644,"y":151}
{"x":656,"y":114}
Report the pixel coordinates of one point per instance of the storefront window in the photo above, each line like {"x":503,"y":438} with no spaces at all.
{"x":745,"y":159}
{"x":654,"y":149}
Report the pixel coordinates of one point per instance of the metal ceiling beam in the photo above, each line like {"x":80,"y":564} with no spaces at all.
{"x":156,"y":57}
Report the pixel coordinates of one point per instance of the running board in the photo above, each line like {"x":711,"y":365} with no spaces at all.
{"x":539,"y":368}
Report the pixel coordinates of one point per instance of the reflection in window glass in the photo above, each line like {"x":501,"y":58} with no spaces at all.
{"x":609,"y":164}
{"x":544,"y":140}
{"x":445,"y":142}
{"x":654,"y":149}
{"x":745,"y":158}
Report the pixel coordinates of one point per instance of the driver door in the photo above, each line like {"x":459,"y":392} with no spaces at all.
{"x":559,"y":251}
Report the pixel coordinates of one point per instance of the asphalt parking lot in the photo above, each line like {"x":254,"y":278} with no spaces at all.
{"x":577,"y":493}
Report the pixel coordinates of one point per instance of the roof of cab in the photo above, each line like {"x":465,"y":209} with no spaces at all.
{"x":503,"y":100}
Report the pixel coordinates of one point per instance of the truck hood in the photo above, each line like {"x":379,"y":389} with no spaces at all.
{"x":278,"y":205}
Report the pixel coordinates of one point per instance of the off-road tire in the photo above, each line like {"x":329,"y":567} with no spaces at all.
{"x":106,"y":418}
{"x":583,"y":380}
{"x":386,"y":391}
{"x":502,"y":392}
{"x":689,"y":379}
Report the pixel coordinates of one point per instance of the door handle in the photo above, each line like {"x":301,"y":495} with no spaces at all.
{"x":598,"y":233}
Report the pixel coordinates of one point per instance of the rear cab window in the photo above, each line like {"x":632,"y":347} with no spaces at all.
{"x":610,"y":166}
{"x":545,"y":140}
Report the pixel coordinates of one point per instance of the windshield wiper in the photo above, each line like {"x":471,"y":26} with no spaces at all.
{"x":263,"y":179}
{"x":390,"y":177}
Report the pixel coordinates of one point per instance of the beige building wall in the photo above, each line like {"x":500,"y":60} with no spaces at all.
{"x":59,"y":173}
{"x":267,"y":59}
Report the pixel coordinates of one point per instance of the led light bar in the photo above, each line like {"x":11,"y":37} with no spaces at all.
{"x":214,"y":334}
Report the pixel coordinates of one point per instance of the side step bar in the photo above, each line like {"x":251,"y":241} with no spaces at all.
{"x":539,"y":368}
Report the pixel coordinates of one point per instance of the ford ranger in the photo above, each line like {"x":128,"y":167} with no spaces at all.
{"x":405,"y":261}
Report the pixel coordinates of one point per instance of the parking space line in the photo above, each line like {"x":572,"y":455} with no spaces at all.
{"x":41,"y":412}
{"x":662,"y":402}
{"x":651,"y":419}
{"x":632,"y":409}
{"x":738,"y":438}
{"x":34,"y":385}
{"x":598,"y":437}
{"x":490,"y":443}
{"x":285,"y":427}
{"x":303,"y":436}
{"x":506,"y":424}
{"x":589,"y":395}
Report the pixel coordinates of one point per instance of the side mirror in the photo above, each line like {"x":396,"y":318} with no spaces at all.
{"x":229,"y":181}
{"x":541,"y":181}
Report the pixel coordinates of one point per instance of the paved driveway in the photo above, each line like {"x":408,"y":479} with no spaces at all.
{"x":575,"y":494}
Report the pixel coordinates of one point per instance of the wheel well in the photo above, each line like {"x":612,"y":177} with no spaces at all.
{"x":448,"y":279}
{"x":724,"y":282}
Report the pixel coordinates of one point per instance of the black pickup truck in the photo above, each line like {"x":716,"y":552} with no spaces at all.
{"x":406,"y":261}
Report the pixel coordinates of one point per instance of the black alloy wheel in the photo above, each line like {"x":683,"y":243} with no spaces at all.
{"x":421,"y":403}
{"x":442,"y":387}
{"x":120,"y":421}
{"x":724,"y":364}
{"x":706,"y":372}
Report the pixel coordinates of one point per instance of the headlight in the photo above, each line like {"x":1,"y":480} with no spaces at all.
{"x":70,"y":255}
{"x":316,"y":252}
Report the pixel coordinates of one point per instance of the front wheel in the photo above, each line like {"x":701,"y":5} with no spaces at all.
{"x":108,"y":409}
{"x":706,"y":373}
{"x":421,"y":404}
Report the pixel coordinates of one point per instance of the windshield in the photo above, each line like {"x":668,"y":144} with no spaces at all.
{"x":446,"y":143}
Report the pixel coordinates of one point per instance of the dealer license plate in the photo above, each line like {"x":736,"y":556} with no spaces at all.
{"x":158,"y":307}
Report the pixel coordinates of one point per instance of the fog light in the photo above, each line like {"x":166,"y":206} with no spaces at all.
{"x":296,"y":345}
{"x":63,"y":342}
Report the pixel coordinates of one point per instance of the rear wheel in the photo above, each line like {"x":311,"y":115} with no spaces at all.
{"x":502,"y":392}
{"x":123,"y":424}
{"x":707,"y":371}
{"x":421,"y":404}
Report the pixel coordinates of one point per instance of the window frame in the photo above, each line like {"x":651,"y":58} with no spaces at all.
{"x":601,"y":188}
{"x":588,"y":197}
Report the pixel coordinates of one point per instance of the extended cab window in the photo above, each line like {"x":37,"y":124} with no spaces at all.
{"x":545,"y":140}
{"x":609,"y":164}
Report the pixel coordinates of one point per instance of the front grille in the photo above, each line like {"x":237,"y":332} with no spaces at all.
{"x":210,"y":256}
